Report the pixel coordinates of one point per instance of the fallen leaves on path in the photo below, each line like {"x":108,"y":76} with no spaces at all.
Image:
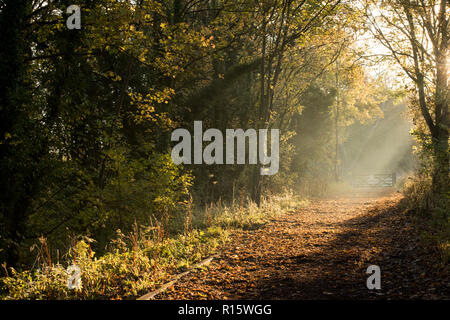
{"x":322,"y":251}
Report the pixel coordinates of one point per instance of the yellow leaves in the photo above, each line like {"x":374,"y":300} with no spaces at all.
{"x":204,"y":42}
{"x":207,"y":42}
{"x":148,"y":109}
{"x":147,"y":105}
{"x":141,"y":57}
{"x":7,"y":136}
{"x":112,"y":76}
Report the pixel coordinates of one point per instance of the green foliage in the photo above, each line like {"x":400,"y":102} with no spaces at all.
{"x":434,"y":221}
{"x":135,"y":263}
{"x":143,"y":259}
{"x":87,"y":116}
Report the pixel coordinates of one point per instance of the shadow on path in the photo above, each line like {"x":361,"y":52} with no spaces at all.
{"x":322,"y":251}
{"x":383,"y":236}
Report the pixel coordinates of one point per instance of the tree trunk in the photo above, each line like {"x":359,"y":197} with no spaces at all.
{"x":15,"y":187}
{"x":440,"y":178}
{"x":256,"y":185}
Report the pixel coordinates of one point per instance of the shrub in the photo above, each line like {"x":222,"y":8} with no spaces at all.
{"x":135,"y":263}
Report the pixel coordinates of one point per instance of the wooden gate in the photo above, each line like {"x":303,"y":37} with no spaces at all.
{"x":374,"y":180}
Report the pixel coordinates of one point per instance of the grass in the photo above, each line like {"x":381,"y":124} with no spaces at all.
{"x":144,"y":259}
{"x":433,"y":221}
{"x":248,"y":216}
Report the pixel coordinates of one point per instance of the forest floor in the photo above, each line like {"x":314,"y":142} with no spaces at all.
{"x":322,"y":251}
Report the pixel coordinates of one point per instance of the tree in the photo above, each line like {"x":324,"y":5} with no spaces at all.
{"x":20,"y":145}
{"x":416,"y":34}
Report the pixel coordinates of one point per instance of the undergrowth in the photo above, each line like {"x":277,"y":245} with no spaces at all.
{"x":143,"y":259}
{"x":433,"y":220}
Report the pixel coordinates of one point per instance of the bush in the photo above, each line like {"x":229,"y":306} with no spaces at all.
{"x":134,"y":264}
{"x":433,"y":220}
{"x":144,"y":258}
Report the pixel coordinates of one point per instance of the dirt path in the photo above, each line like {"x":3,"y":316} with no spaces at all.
{"x":322,"y":252}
